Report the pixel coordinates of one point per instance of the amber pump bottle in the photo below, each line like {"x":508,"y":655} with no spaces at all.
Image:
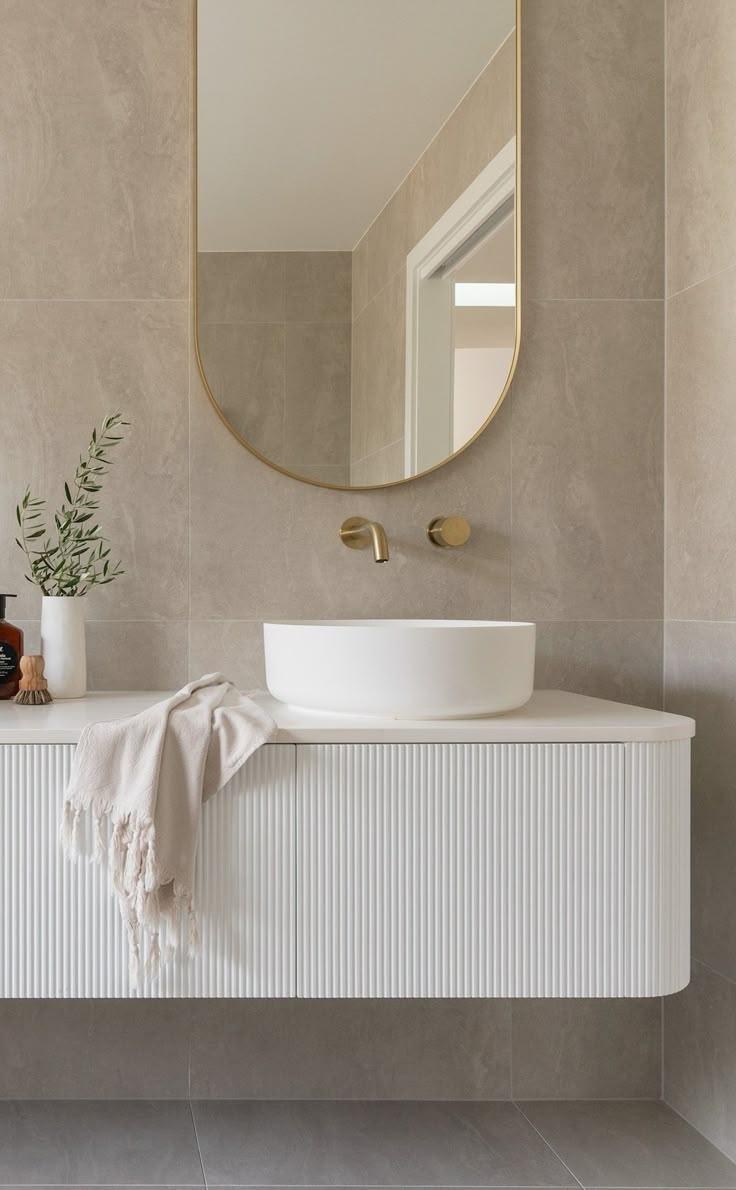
{"x":11,"y":651}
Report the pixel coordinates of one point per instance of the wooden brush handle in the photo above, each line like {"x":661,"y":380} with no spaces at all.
{"x":31,"y":668}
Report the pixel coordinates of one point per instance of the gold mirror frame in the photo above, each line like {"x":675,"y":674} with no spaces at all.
{"x":394,"y":483}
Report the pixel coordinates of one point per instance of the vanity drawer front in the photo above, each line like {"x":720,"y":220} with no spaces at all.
{"x":61,"y":933}
{"x":461,"y":870}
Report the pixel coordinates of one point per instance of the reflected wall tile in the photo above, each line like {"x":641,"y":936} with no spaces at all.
{"x":136,"y":655}
{"x":351,"y":1049}
{"x":317,"y":394}
{"x":245,"y":370}
{"x":97,"y":154}
{"x":699,"y":681}
{"x":231,"y":647}
{"x":701,"y":147}
{"x":587,"y":462}
{"x":478,"y":128}
{"x":381,"y":252}
{"x":700,"y":1055}
{"x":379,"y":375}
{"x":586,"y":1049}
{"x":294,"y":565}
{"x":593,"y":145}
{"x":337,"y":476}
{"x":701,"y":430}
{"x":318,"y":286}
{"x":476,"y":131}
{"x":63,"y":367}
{"x":383,"y":466}
{"x":616,"y":659}
{"x":94,"y":1049}
{"x":240,"y":287}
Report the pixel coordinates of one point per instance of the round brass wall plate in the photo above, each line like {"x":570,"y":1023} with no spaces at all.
{"x":349,"y":538}
{"x":448,"y":531}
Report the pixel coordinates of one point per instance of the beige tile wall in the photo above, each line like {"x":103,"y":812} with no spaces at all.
{"x":95,"y":232}
{"x":275,"y":341}
{"x":700,"y":573}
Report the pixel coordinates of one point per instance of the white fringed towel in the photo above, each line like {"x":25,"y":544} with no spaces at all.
{"x":147,"y":777}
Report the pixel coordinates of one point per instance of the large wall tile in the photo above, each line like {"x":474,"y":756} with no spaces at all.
{"x":593,"y":148}
{"x":318,"y":286}
{"x":128,"y":655}
{"x":700,"y":1055}
{"x":63,"y":366}
{"x":232,"y":647}
{"x":263,"y":546}
{"x":136,"y":655}
{"x":616,"y":659}
{"x":699,"y":681}
{"x":317,"y":403}
{"x":240,"y":287}
{"x":96,"y":149}
{"x":245,"y":370}
{"x":701,"y":432}
{"x":586,"y":1049}
{"x":701,"y":145}
{"x":379,"y":368}
{"x":351,"y":1049}
{"x":94,"y":1049}
{"x":587,"y":462}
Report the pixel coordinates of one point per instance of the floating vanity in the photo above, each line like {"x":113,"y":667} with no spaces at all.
{"x":540,"y":853}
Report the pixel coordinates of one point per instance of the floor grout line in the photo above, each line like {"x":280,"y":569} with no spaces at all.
{"x":196,"y":1138}
{"x":549,"y":1146}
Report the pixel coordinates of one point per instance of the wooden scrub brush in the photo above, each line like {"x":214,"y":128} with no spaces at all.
{"x":33,"y":689}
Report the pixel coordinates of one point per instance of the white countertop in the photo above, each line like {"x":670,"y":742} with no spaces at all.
{"x":551,"y":716}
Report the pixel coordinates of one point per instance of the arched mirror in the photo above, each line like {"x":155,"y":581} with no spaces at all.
{"x":357,"y":281}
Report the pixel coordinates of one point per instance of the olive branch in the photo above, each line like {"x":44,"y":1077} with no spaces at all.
{"x":78,"y":557}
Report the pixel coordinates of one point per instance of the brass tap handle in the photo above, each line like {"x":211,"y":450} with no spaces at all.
{"x":446,"y":531}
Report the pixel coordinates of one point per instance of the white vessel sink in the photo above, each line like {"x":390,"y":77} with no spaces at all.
{"x":401,"y":669}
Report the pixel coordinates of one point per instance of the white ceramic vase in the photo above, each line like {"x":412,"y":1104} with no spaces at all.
{"x":63,"y":645}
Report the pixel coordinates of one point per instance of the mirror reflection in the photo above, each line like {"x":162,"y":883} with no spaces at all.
{"x":356,"y":226}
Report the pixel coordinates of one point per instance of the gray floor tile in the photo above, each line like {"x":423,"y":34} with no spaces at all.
{"x":102,"y":1143}
{"x":348,"y":1143}
{"x":610,"y":1144}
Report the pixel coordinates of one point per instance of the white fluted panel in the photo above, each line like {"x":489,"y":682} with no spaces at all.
{"x":61,"y":934}
{"x":245,"y":883}
{"x":414,"y":870}
{"x":460,"y":870}
{"x":658,"y":867}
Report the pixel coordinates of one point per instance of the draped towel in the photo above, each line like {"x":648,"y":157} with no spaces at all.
{"x":142,"y":781}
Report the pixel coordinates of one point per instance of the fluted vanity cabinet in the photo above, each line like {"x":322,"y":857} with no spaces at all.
{"x":61,"y":933}
{"x":529,"y":869}
{"x":541,"y":853}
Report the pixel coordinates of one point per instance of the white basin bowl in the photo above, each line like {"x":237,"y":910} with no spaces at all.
{"x":401,"y":669}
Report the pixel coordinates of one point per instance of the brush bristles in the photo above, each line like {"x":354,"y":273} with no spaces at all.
{"x":36,"y":698}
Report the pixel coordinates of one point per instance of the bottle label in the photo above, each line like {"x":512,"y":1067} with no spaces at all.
{"x":8,"y":661}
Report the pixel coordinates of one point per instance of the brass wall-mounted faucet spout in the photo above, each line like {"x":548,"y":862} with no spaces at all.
{"x":357,"y":533}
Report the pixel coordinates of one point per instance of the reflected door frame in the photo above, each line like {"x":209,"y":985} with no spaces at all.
{"x":428,"y":426}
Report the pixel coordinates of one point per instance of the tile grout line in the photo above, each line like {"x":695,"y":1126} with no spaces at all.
{"x":549,"y":1146}
{"x":701,"y":281}
{"x":196,"y":1139}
